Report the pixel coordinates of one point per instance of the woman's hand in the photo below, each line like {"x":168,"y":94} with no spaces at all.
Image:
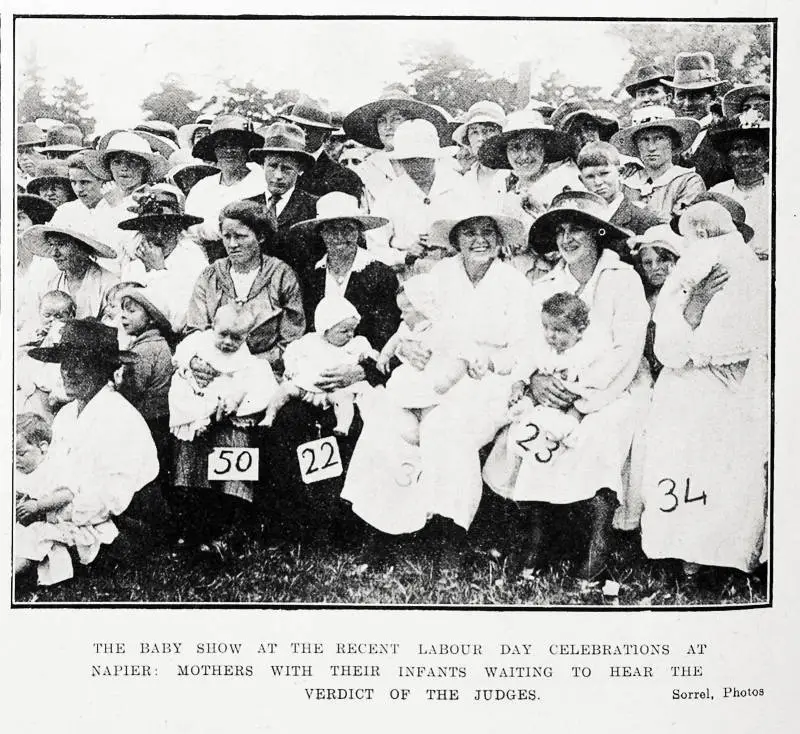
{"x":151,"y":256}
{"x":702,"y":294}
{"x":339,"y":377}
{"x":517,"y":392}
{"x":27,"y":512}
{"x":414,"y":353}
{"x":202,"y":372}
{"x":549,"y":390}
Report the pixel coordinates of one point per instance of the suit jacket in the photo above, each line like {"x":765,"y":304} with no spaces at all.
{"x":707,"y":161}
{"x":373,"y":292}
{"x":634,"y":218}
{"x":327,"y":175}
{"x":293,"y":249}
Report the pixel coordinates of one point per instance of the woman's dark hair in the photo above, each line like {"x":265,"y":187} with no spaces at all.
{"x":254,"y":216}
{"x":663,"y":253}
{"x":673,"y":135}
{"x":318,"y":245}
{"x":568,"y":307}
{"x":453,"y":236}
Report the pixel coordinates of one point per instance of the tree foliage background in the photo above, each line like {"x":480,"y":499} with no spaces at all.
{"x":172,"y":103}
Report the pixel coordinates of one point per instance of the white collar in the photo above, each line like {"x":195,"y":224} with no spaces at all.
{"x":361,"y":260}
{"x":317,"y":153}
{"x":639,"y":180}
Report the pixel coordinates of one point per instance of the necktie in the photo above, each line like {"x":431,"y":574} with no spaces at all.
{"x":272,"y":205}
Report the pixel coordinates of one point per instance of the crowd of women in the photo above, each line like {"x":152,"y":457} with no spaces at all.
{"x":354,"y":330}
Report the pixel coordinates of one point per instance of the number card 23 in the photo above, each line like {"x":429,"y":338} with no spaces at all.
{"x":228,"y":463}
{"x":319,"y":460}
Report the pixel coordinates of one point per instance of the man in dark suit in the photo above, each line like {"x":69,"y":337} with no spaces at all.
{"x":599,"y":166}
{"x":326,"y":175}
{"x":285,"y":159}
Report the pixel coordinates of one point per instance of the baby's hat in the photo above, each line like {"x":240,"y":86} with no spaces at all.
{"x":333,"y":310}
{"x":421,"y":292}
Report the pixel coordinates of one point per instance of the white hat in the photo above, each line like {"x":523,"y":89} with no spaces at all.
{"x":511,"y":229}
{"x":332,"y":310}
{"x":655,"y":116}
{"x":422,"y":292}
{"x":416,"y":139}
{"x":660,"y":235}
{"x":483,"y":111}
{"x":336,"y":206}
{"x":130,"y":142}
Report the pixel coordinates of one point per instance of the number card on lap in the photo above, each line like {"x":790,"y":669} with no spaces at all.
{"x":528,"y":441}
{"x":319,"y":460}
{"x":236,"y":464}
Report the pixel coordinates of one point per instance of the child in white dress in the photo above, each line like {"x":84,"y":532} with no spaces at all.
{"x":32,"y":443}
{"x":332,"y":344}
{"x":243,"y":384}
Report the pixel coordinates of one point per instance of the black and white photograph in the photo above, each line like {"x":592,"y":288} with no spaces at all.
{"x":393,"y":312}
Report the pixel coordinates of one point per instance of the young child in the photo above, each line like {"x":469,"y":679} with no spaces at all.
{"x":242,"y":386}
{"x":112,"y":309}
{"x":40,"y":387}
{"x":33,"y":439}
{"x":332,"y":344}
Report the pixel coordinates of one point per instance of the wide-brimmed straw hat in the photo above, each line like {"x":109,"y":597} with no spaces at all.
{"x":63,"y":140}
{"x":309,"y":112}
{"x":48,"y":172}
{"x":89,"y":338}
{"x":511,"y":229}
{"x":230,"y":127}
{"x":338,"y":206}
{"x":158,"y":144}
{"x":685,"y":129}
{"x":186,"y":132}
{"x":161,"y":128}
{"x":157,"y":204}
{"x":581,"y":207}
{"x":285,"y":138}
{"x":569,"y":112}
{"x":361,"y":124}
{"x":30,"y":134}
{"x":733,"y":100}
{"x":91,"y":160}
{"x":39,"y":210}
{"x":134,"y":143}
{"x":493,"y":152}
{"x":664,"y":236}
{"x":647,"y":76}
{"x":416,"y":139}
{"x":694,"y":70}
{"x":756,"y":129}
{"x":483,"y":111}
{"x":735,"y":209}
{"x":182,"y":165}
{"x":152,"y":301}
{"x":35,"y":239}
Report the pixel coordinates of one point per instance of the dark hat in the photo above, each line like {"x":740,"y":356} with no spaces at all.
{"x":361,"y":124}
{"x":48,"y":172}
{"x":646,"y":76}
{"x":91,"y":339}
{"x":735,"y":209}
{"x":493,"y":152}
{"x":582,"y":207}
{"x":723,"y":135}
{"x":64,"y":139}
{"x":309,"y":112}
{"x":233,"y":127}
{"x":695,"y":70}
{"x":29,"y":133}
{"x":285,"y":138}
{"x":156,"y":204}
{"x":732,"y":102}
{"x":569,"y":112}
{"x":39,"y":210}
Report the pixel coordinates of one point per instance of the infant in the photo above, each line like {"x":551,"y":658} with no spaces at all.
{"x":333,"y":344}
{"x":32,"y":443}
{"x":242,"y":385}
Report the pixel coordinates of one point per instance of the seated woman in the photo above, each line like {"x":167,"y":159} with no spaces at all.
{"x":589,"y":469}
{"x":395,"y":486}
{"x":707,"y":433}
{"x":101,"y":454}
{"x":347,"y":270}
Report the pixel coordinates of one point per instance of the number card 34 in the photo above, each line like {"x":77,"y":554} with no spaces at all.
{"x":228,"y":463}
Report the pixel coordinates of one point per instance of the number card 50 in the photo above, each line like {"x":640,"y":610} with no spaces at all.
{"x":227,"y":463}
{"x":319,"y":460}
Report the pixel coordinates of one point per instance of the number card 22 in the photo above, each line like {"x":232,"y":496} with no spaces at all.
{"x":319,"y":460}
{"x":228,"y":463}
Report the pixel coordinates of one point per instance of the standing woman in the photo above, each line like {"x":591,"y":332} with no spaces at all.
{"x":227,"y":146}
{"x":589,"y":469}
{"x":374,"y":125}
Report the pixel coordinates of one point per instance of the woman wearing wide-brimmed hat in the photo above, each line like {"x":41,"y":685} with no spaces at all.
{"x":526,"y":146}
{"x":32,"y":272}
{"x":185,"y":170}
{"x":590,"y":469}
{"x":374,"y":125}
{"x":32,"y":210}
{"x":189,"y":135}
{"x":226,"y":146}
{"x":480,"y":122}
{"x":487,"y":306}
{"x":30,"y":137}
{"x":51,"y":182}
{"x":749,"y":100}
{"x":79,"y":274}
{"x":101,"y":454}
{"x":62,"y":142}
{"x":165,"y":258}
{"x":656,"y":137}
